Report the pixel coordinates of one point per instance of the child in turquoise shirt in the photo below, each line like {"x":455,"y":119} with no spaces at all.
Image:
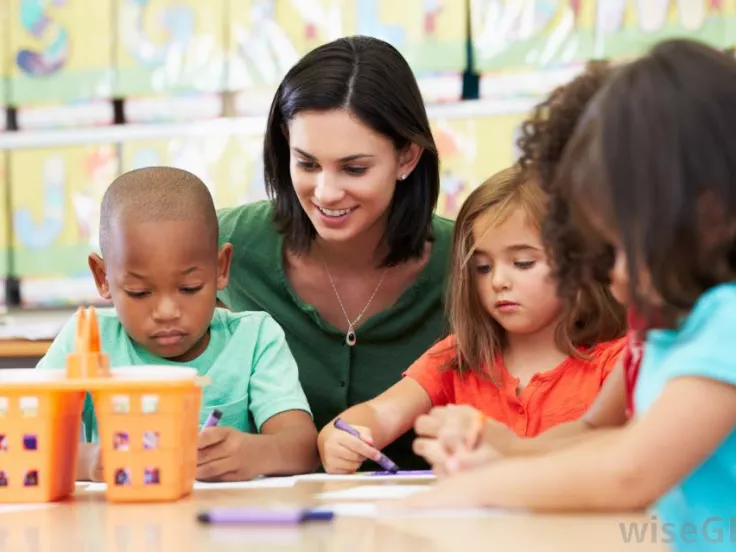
{"x":650,"y":175}
{"x":162,"y":268}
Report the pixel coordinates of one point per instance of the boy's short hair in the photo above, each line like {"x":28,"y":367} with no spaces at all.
{"x":157,"y":194}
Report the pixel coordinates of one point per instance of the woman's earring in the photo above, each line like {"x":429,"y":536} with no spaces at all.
{"x":402,"y":177}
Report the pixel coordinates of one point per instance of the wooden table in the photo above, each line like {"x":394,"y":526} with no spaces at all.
{"x":23,"y":348}
{"x":89,"y":523}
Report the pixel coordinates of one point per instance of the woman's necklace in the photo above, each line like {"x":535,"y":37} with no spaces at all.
{"x":350,"y":337}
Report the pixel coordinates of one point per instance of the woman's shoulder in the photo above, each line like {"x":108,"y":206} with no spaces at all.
{"x":442,"y":228}
{"x":249,"y":223}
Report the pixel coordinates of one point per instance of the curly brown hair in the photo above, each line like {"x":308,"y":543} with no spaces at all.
{"x":544,"y":136}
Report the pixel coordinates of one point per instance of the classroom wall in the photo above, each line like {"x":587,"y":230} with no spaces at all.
{"x":189,"y":63}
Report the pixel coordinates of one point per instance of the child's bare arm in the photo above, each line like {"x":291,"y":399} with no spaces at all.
{"x":286,"y":445}
{"x":455,"y":438}
{"x":380,"y":421}
{"x":89,"y":463}
{"x":620,"y":468}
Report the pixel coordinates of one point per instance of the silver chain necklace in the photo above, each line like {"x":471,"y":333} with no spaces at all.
{"x":350,"y":337}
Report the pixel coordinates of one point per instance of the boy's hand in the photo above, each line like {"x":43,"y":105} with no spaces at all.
{"x":96,"y":471}
{"x":223,"y":454}
{"x":343,"y":453}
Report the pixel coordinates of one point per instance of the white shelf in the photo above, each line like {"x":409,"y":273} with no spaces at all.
{"x":224,"y":126}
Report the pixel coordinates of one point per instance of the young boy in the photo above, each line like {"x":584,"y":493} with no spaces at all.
{"x":162,"y":268}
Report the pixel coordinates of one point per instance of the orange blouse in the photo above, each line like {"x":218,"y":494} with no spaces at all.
{"x":559,"y":395}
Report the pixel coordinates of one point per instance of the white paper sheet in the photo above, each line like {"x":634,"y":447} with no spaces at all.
{"x":369,"y":509}
{"x":374,"y":492}
{"x":262,"y":483}
{"x":365,"y":477}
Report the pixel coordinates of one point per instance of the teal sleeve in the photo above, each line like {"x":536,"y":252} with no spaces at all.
{"x":55,"y":359}
{"x":63,"y":344}
{"x":274,"y":385}
{"x":707,"y":345}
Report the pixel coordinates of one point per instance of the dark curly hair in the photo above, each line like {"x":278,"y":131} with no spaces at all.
{"x":544,"y":136}
{"x":652,"y":165}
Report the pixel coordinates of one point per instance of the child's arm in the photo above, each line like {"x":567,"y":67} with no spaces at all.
{"x":626,"y":468}
{"x":285,"y":446}
{"x":457,"y":438}
{"x":287,"y":439}
{"x":89,"y":465}
{"x":380,"y":421}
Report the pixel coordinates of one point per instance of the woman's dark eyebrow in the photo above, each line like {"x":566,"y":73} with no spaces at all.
{"x":342,"y":160}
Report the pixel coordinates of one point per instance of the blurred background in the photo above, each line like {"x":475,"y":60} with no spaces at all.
{"x":92,"y":88}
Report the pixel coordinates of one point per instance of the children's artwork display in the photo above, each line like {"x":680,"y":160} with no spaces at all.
{"x":471,"y":150}
{"x":429,"y":33}
{"x":259,"y":52}
{"x":231,"y":166}
{"x":513,"y":36}
{"x":169,"y":46}
{"x":3,"y":223}
{"x":4,"y":61}
{"x":60,"y":51}
{"x":55,"y":218}
{"x":267,"y":37}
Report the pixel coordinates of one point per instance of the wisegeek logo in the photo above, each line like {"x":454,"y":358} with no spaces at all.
{"x":714,"y":530}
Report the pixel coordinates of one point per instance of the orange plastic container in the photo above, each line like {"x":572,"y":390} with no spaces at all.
{"x":147,"y":418}
{"x":39,"y":435}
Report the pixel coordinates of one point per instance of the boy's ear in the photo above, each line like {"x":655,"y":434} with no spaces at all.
{"x":99,"y":272}
{"x":224,"y":258}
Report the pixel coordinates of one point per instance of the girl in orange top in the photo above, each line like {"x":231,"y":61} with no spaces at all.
{"x":518,"y":352}
{"x":456,"y":438}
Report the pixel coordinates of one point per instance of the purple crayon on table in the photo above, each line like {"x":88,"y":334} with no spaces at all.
{"x":408,"y":473}
{"x":213,"y":419}
{"x":262,"y":516}
{"x":384,"y":461}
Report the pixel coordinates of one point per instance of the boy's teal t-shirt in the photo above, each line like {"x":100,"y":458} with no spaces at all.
{"x":699,"y":512}
{"x":253,"y":373}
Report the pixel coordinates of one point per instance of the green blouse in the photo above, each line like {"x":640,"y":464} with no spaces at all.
{"x":333,"y":375}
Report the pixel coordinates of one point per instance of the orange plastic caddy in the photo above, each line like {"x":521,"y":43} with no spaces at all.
{"x":147,"y":418}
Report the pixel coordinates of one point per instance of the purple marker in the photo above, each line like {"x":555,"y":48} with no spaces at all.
{"x":213,"y":419}
{"x":384,"y":461}
{"x":261,"y":516}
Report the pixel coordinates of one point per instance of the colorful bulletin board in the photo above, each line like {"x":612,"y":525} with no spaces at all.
{"x":472,"y":149}
{"x":429,"y":33}
{"x":169,"y":46}
{"x":267,"y":37}
{"x":515,"y":35}
{"x":56,"y":195}
{"x":231,"y":166}
{"x":60,"y":50}
{"x":4,"y":62}
{"x":3,"y":224}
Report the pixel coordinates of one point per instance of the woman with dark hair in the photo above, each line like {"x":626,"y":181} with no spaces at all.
{"x":348,"y":256}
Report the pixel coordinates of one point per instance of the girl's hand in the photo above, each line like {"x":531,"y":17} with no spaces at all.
{"x":343,"y":453}
{"x":463,"y":427}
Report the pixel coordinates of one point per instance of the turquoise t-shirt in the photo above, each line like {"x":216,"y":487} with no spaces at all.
{"x":700,"y":510}
{"x":254,"y":375}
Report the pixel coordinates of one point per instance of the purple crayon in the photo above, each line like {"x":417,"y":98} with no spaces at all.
{"x":261,"y":516}
{"x":384,"y":461}
{"x":213,"y":419}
